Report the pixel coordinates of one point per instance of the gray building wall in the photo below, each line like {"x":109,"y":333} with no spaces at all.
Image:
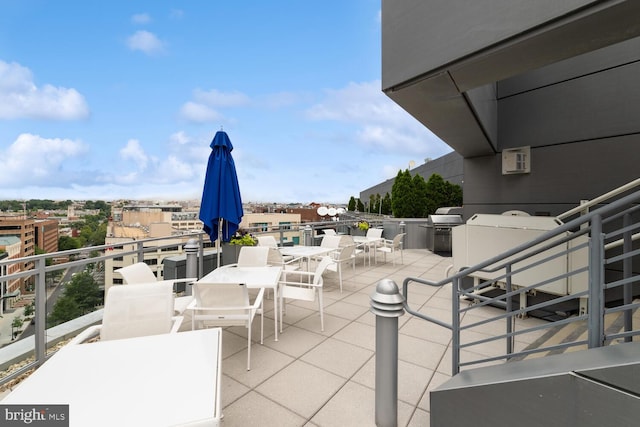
{"x":557,"y":76}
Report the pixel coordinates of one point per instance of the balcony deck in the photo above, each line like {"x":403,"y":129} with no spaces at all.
{"x":313,"y":378}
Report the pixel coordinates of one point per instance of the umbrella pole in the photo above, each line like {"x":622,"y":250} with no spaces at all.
{"x":218,"y":241}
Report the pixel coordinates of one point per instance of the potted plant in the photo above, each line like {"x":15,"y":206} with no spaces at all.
{"x":360,"y":228}
{"x":231,"y":250}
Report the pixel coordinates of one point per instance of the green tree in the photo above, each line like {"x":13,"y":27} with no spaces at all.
{"x":360,"y":206}
{"x":386,"y":204}
{"x":64,"y":309}
{"x":84,"y":290}
{"x":66,"y":243}
{"x":81,"y":296}
{"x":352,"y":204}
{"x":402,"y":195}
{"x":30,"y":309}
{"x":372,"y":203}
{"x":420,"y":196}
{"x":16,"y":324}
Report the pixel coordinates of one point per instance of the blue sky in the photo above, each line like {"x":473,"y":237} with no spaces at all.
{"x":120,"y":99}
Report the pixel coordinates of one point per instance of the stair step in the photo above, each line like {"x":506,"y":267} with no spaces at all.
{"x":576,"y":331}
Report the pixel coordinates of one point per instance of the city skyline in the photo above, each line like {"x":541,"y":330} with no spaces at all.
{"x":120,"y":100}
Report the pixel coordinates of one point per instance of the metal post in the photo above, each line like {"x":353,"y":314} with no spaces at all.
{"x":627,"y":271}
{"x":403,"y":226}
{"x":201,"y":256}
{"x":191,"y":249}
{"x":386,"y":304}
{"x":596,"y":280}
{"x":508,"y":289}
{"x":140,"y":251}
{"x":455,"y":327}
{"x":307,"y":236}
{"x":40,"y":312}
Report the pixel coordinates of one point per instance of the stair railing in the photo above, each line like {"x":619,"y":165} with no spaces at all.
{"x":605,"y":234}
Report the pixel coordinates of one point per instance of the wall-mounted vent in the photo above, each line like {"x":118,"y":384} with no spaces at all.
{"x":516,"y":160}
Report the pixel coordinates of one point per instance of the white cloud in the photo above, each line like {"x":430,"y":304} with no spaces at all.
{"x":141,"y":18}
{"x":21,"y":98}
{"x":33,"y":160}
{"x":133,"y":151}
{"x":176,"y":13}
{"x":279,"y":100}
{"x":180,"y":138}
{"x":215,"y":98}
{"x":146,"y":42}
{"x":199,"y":113}
{"x":381,"y":124}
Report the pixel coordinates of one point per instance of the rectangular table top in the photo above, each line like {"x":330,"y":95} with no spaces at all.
{"x":132,"y":382}
{"x":251,"y":277}
{"x":305,"y":251}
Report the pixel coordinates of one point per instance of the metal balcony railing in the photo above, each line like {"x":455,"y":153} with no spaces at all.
{"x":34,"y":346}
{"x":606,"y":238}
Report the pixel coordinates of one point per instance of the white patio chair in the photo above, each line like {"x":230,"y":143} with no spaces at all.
{"x":347,"y":240}
{"x":251,"y":256}
{"x":374,"y":233}
{"x":140,"y":272}
{"x":226,"y":304}
{"x":305,"y":289}
{"x":134,"y":311}
{"x":344,"y":256}
{"x":329,"y":232}
{"x":288,"y":264}
{"x":267,"y":241}
{"x":329,"y":241}
{"x":271,"y":242}
{"x":391,"y":247}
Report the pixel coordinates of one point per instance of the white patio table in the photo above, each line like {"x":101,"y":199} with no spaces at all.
{"x":251,"y":277}
{"x":132,"y":382}
{"x":368,"y":243}
{"x":305,"y":252}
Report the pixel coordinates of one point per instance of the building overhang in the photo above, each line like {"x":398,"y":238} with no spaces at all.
{"x":442,"y":62}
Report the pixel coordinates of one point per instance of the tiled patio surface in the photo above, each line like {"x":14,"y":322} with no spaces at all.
{"x":314,"y":378}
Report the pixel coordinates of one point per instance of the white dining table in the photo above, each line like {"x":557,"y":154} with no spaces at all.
{"x":368,"y":243}
{"x":132,"y":382}
{"x":305,"y":252}
{"x":252,"y":277}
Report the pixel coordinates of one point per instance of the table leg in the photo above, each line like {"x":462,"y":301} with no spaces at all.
{"x":275,"y":309}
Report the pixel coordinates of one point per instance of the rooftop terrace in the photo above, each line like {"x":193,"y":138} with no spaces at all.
{"x":315,"y":378}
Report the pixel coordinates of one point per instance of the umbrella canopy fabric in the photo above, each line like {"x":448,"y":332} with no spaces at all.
{"x":221,"y":206}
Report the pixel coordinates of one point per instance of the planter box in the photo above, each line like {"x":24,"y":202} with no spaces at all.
{"x":230,"y":253}
{"x":355,"y":231}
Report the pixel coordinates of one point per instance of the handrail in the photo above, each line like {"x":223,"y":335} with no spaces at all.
{"x":136,"y":248}
{"x":613,"y":193}
{"x":597,"y":230}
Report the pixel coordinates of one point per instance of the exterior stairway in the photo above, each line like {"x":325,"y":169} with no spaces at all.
{"x":573,"y":386}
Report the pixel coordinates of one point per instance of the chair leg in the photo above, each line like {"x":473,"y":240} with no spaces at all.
{"x":281,"y":308}
{"x":340,"y":276}
{"x":249,"y":347}
{"x":320,"y":305}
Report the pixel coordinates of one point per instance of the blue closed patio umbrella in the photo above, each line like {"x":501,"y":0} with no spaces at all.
{"x":221,"y":206}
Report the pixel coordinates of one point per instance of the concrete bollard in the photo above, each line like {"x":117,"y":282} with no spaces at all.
{"x":191,"y":249}
{"x":386,"y":304}
{"x":308,"y":240}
